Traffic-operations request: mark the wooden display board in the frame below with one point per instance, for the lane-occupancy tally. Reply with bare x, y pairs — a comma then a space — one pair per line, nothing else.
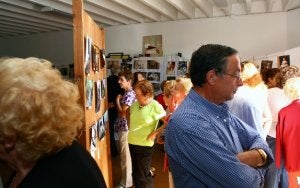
86, 29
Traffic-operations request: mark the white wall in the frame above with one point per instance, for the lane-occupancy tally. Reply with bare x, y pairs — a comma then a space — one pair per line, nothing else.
253, 35
54, 46
293, 26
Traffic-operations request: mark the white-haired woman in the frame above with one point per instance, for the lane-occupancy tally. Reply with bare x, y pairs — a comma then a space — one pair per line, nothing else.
288, 133
39, 120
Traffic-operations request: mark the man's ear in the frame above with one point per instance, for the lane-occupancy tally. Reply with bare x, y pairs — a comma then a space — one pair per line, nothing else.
211, 77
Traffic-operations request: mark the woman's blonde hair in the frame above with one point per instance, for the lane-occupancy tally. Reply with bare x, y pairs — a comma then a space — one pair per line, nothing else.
169, 86
185, 84
250, 74
38, 109
292, 88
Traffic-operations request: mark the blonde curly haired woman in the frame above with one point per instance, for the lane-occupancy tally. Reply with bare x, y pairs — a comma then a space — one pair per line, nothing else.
39, 120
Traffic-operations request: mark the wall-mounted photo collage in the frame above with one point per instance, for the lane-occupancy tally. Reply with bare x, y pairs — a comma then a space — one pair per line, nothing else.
154, 69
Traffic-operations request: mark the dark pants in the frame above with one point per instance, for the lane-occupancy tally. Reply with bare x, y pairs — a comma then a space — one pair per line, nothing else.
112, 116
141, 157
275, 177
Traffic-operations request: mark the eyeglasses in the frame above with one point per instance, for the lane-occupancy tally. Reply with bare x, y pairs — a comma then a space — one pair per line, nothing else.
238, 77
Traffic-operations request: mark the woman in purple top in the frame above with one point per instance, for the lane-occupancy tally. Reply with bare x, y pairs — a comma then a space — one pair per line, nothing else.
123, 102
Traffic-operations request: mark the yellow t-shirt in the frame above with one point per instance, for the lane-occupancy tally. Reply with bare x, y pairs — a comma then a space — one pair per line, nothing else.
143, 121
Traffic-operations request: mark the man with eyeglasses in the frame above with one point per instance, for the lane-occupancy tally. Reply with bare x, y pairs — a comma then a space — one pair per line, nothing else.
207, 145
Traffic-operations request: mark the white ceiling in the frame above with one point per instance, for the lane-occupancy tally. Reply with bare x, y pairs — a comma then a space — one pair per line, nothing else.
24, 17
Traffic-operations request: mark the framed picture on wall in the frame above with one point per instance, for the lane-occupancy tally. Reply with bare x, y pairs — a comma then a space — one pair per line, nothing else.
152, 64
283, 61
153, 76
139, 64
152, 45
265, 65
170, 68
182, 68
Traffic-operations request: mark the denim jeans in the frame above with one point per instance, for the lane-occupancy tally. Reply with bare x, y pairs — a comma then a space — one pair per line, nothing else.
275, 177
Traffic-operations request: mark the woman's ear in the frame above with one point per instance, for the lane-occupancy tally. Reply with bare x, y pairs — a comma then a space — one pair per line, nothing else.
9, 144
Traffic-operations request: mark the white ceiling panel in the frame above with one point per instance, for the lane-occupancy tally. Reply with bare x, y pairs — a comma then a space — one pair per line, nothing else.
24, 17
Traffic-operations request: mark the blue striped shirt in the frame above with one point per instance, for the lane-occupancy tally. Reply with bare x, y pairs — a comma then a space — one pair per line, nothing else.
202, 141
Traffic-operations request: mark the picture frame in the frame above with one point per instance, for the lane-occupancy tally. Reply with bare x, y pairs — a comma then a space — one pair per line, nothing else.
153, 76
265, 65
283, 61
95, 58
152, 64
152, 46
139, 64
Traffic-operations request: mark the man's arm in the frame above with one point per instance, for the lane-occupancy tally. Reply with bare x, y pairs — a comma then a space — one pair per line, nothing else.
254, 158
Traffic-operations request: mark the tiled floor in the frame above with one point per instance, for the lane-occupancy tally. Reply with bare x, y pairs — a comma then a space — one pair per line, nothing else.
160, 179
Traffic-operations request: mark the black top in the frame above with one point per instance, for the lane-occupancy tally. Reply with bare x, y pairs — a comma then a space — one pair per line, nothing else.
113, 88
72, 167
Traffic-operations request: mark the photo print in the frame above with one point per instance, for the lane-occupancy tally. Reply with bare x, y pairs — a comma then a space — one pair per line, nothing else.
89, 93
170, 69
139, 64
182, 68
95, 58
98, 95
93, 144
114, 65
88, 54
105, 118
153, 76
102, 58
126, 66
103, 88
265, 65
152, 64
100, 129
283, 61
152, 45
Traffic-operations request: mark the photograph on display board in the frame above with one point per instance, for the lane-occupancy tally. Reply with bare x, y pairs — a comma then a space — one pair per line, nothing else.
153, 76
98, 95
152, 46
95, 58
139, 64
152, 64
182, 68
114, 65
93, 136
103, 88
126, 66
144, 74
105, 119
265, 65
88, 54
283, 61
89, 93
100, 129
170, 68
102, 58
